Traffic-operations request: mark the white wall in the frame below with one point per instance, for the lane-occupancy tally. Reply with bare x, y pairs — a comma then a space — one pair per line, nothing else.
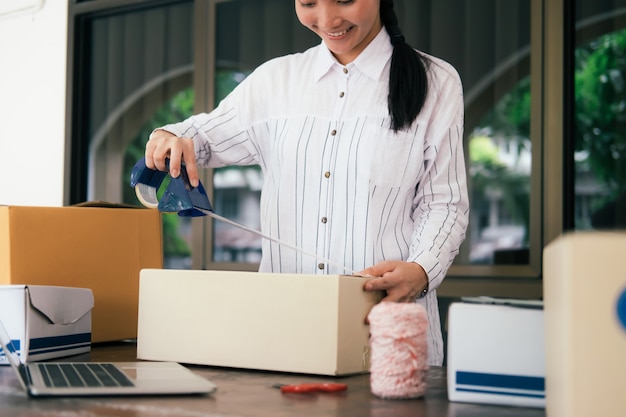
33, 57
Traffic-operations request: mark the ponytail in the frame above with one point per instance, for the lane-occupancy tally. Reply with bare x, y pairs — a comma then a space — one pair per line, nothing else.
408, 84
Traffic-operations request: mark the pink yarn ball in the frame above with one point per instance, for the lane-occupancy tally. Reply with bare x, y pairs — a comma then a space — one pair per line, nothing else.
398, 350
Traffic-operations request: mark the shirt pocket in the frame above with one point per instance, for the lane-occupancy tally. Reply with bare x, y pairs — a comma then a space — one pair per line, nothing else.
396, 159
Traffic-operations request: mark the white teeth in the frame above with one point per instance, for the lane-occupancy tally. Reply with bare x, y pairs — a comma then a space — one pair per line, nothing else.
343, 32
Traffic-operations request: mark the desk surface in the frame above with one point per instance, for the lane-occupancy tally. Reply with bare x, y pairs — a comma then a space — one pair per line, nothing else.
246, 394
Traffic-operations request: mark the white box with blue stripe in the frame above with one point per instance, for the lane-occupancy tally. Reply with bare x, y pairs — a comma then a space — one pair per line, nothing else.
46, 322
496, 352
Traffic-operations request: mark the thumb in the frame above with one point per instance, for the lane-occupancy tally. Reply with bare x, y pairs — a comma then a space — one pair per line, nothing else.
373, 271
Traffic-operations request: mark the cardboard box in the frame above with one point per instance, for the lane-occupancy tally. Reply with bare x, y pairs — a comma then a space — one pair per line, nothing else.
584, 287
46, 322
496, 352
100, 248
279, 322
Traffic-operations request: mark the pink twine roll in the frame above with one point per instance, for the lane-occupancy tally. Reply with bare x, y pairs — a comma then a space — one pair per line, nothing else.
398, 350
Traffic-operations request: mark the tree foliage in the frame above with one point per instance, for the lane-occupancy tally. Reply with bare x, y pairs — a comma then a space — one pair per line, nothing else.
600, 134
508, 120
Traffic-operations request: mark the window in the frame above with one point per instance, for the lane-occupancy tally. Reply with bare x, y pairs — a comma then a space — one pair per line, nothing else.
246, 36
133, 67
598, 144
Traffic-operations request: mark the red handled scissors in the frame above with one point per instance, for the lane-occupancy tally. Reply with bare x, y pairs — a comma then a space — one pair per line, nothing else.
312, 387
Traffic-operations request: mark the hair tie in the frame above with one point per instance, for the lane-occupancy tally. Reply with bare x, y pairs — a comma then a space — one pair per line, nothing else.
396, 36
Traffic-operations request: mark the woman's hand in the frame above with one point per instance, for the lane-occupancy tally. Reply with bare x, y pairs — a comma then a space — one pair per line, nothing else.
164, 145
402, 281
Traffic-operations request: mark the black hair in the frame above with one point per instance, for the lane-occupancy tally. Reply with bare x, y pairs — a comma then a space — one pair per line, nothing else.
408, 84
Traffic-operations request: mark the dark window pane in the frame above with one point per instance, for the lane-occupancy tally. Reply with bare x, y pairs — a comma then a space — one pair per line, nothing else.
599, 148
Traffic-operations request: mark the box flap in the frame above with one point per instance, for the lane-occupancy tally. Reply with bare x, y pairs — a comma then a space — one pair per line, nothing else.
61, 305
105, 204
511, 302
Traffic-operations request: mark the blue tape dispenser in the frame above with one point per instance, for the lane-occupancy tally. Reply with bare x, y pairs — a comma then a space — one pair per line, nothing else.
188, 201
179, 197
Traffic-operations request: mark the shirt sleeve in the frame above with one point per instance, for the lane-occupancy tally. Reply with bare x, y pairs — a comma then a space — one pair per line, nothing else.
441, 203
223, 136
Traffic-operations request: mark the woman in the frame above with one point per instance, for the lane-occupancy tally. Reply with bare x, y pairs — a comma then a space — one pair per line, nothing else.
360, 143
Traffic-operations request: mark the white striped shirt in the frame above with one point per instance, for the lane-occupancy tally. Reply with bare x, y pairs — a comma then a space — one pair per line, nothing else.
338, 182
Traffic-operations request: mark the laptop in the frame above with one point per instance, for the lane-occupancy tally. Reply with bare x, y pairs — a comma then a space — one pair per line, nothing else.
47, 379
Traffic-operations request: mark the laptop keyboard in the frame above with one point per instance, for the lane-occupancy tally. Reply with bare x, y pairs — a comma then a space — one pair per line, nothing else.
83, 375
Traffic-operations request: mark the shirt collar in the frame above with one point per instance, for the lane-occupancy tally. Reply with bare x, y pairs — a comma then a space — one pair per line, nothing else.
371, 61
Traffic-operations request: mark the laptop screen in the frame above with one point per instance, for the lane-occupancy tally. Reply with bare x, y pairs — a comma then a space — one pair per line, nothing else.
7, 346
11, 354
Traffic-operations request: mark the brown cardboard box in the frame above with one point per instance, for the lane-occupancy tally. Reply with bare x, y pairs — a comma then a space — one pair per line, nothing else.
100, 248
279, 322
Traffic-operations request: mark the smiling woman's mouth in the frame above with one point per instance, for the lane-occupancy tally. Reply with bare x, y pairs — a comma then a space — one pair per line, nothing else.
340, 33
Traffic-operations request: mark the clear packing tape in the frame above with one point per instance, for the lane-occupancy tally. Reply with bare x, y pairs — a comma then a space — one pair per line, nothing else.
188, 201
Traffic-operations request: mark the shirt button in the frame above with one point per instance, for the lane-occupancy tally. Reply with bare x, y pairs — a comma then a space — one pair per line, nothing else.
345, 70
324, 219
320, 266
342, 94
333, 132
327, 174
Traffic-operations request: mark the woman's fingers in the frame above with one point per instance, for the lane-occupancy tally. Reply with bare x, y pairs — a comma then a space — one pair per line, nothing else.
166, 151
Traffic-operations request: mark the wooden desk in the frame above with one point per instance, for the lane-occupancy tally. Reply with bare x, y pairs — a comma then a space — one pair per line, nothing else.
246, 394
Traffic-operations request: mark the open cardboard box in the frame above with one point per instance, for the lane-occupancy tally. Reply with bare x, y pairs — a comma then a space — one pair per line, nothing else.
97, 246
279, 322
46, 322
